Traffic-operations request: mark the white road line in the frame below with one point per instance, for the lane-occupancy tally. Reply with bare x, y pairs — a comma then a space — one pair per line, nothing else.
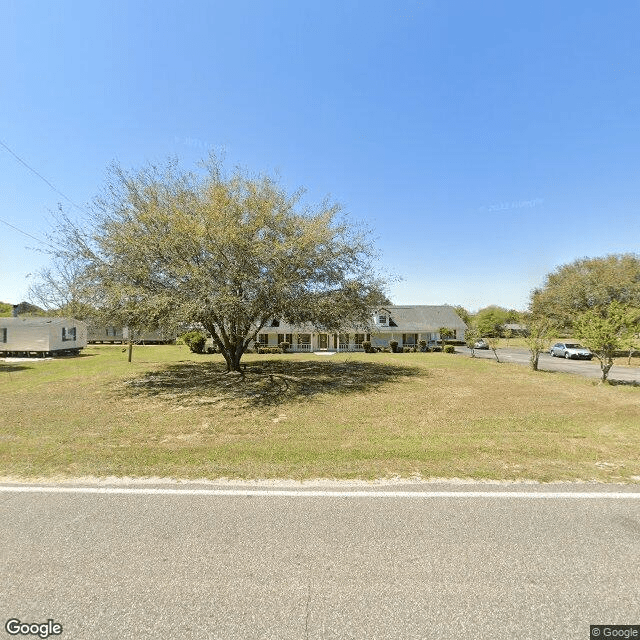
300, 493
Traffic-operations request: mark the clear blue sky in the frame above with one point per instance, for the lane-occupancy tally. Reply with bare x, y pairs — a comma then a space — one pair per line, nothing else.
485, 143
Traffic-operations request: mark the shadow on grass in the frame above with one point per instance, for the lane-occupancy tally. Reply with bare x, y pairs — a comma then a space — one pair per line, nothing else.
264, 383
11, 367
629, 383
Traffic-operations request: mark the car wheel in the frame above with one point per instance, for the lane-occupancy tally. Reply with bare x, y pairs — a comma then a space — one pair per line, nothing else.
566, 355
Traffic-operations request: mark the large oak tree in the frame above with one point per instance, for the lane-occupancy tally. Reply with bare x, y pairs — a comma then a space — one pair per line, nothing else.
588, 284
227, 251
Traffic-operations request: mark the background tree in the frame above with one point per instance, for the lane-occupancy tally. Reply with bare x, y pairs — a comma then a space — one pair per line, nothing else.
493, 342
588, 284
471, 336
490, 320
539, 330
445, 334
604, 332
463, 314
229, 252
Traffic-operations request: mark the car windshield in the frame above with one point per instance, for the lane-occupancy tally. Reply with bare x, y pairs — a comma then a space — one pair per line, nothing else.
574, 345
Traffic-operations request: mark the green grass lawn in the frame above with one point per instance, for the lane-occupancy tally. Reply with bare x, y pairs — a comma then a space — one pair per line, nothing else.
175, 414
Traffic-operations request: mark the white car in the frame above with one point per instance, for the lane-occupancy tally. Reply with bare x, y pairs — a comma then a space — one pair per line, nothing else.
570, 350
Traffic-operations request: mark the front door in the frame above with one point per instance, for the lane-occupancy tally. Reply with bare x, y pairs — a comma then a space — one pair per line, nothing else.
323, 341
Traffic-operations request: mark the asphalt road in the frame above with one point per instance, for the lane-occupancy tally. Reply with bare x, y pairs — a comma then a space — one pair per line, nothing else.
587, 368
405, 565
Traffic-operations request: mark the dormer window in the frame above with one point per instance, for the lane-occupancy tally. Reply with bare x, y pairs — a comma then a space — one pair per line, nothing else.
275, 323
382, 318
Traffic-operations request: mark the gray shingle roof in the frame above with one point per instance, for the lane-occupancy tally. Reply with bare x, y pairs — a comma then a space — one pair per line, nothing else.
408, 318
422, 318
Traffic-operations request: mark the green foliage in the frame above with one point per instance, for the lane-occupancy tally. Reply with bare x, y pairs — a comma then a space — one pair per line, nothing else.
284, 347
449, 348
539, 330
268, 349
393, 345
493, 342
195, 340
366, 345
588, 284
604, 331
227, 251
446, 333
463, 314
471, 336
490, 320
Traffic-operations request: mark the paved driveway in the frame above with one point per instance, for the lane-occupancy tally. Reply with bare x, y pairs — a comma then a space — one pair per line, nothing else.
589, 369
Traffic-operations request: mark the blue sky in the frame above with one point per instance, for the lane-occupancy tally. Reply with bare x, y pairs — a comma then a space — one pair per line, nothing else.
485, 143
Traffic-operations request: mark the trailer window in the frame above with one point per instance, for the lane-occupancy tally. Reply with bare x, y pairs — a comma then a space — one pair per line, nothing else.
68, 334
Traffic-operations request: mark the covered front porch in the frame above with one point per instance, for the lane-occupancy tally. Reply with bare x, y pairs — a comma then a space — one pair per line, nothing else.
315, 341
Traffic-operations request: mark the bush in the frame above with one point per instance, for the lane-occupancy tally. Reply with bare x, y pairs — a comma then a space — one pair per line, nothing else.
195, 341
284, 346
366, 345
406, 349
449, 348
393, 345
267, 349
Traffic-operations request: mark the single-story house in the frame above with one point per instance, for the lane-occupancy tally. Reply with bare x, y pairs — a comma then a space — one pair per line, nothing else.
406, 324
42, 336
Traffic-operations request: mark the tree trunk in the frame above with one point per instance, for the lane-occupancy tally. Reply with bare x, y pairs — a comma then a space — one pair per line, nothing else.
606, 367
534, 360
232, 357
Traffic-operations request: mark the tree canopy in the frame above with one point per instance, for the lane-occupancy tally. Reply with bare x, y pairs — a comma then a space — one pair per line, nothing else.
226, 251
490, 320
588, 284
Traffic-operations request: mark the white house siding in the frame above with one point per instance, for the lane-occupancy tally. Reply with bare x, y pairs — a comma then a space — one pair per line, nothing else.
413, 323
42, 335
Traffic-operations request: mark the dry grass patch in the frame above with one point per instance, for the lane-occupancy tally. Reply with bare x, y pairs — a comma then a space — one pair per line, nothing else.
171, 413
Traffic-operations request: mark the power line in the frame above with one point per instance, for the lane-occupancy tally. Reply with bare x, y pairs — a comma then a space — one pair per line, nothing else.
24, 233
21, 161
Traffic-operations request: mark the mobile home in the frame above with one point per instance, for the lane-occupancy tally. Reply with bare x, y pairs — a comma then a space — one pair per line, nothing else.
41, 336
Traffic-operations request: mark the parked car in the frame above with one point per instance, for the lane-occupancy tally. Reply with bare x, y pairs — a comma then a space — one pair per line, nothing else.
571, 350
481, 344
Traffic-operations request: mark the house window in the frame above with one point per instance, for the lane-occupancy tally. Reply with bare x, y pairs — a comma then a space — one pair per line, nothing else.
3, 335
360, 338
68, 334
111, 332
382, 319
344, 338
285, 337
304, 338
263, 339
275, 323
410, 339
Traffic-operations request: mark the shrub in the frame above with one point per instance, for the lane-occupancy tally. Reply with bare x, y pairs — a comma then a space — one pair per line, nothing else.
393, 345
267, 349
406, 349
284, 346
449, 348
195, 341
366, 345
